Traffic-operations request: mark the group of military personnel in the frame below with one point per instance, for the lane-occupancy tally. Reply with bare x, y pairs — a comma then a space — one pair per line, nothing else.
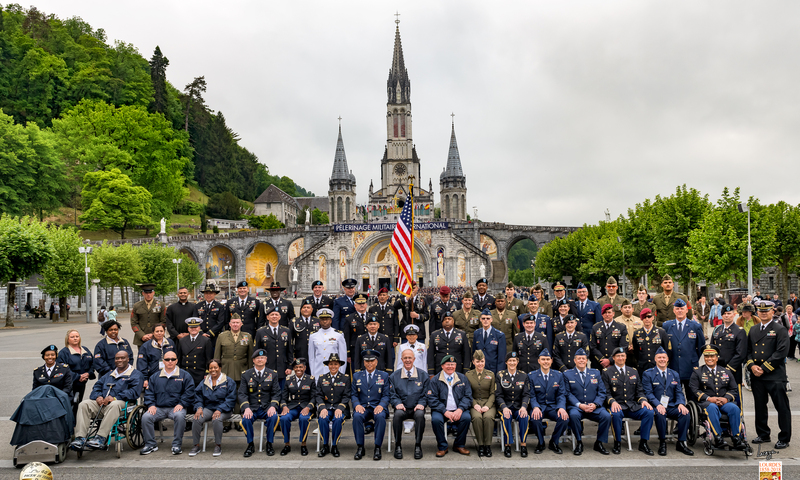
534, 356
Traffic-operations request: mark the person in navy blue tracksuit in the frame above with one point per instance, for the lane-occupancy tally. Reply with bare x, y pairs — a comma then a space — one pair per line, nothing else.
664, 384
369, 393
548, 400
586, 395
491, 341
450, 398
214, 397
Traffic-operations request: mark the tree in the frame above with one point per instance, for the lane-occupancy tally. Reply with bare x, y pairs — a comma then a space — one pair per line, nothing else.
318, 217
203, 222
224, 205
718, 247
194, 92
191, 274
64, 276
158, 76
785, 219
24, 251
637, 236
111, 201
521, 278
265, 222
157, 267
115, 266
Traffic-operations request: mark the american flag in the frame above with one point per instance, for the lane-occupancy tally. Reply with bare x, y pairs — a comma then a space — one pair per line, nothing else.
402, 246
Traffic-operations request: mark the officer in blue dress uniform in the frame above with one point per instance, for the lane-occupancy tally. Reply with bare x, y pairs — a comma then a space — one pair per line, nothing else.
491, 341
333, 404
297, 402
626, 398
259, 397
512, 397
687, 340
548, 400
662, 387
588, 310
344, 305
370, 395
53, 373
714, 387
586, 395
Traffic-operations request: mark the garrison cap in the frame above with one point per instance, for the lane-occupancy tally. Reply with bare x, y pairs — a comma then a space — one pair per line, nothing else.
581, 285
611, 281
580, 352
467, 294
679, 303
486, 311
544, 353
661, 350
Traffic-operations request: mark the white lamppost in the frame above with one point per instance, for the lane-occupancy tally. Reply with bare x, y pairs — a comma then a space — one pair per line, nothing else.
745, 208
177, 262
86, 251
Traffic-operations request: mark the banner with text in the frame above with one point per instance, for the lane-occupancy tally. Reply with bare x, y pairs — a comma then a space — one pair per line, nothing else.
386, 227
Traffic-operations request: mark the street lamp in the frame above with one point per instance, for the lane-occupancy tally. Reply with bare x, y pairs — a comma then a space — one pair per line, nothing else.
745, 208
533, 266
624, 278
177, 262
228, 273
86, 251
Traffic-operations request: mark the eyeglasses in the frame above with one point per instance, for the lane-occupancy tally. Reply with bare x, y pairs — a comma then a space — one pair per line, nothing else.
170, 359
648, 316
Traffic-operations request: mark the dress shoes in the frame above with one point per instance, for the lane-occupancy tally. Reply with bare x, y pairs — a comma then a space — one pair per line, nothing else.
441, 453
417, 452
719, 442
286, 449
488, 451
460, 450
599, 447
369, 428
761, 440
324, 450
398, 452
269, 450
539, 448
335, 451
683, 448
377, 454
359, 452
303, 450
579, 448
616, 448
507, 451
662, 448
644, 447
523, 451
480, 450
555, 448
248, 452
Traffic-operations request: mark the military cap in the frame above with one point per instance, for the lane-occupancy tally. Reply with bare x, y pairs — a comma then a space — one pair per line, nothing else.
617, 351
611, 281
271, 308
645, 313
482, 280
307, 301
447, 313
372, 318
765, 306
50, 348
445, 290
533, 298
606, 308
360, 298
625, 301
349, 283
148, 287
478, 355
242, 284
413, 283
467, 294
447, 358
666, 278
501, 298
529, 318
544, 353
510, 285
235, 316
193, 321
511, 355
537, 287
259, 353
486, 311
333, 358
710, 350
276, 286
411, 330
110, 323
383, 290
559, 286
298, 361
317, 282
581, 285
367, 355
210, 288
679, 303
661, 350
580, 352
748, 307
727, 308
570, 318
642, 288
324, 313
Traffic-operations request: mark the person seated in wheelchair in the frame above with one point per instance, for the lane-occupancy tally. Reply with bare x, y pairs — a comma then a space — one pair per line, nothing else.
714, 389
108, 397
626, 399
333, 404
662, 387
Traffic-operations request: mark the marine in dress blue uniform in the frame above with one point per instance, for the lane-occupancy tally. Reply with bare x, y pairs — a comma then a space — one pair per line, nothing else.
370, 396
586, 394
259, 398
662, 387
297, 403
713, 388
687, 341
626, 399
548, 400
333, 405
512, 398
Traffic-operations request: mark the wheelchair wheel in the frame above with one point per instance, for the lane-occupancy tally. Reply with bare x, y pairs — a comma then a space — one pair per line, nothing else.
119, 449
707, 449
748, 451
694, 424
61, 455
133, 429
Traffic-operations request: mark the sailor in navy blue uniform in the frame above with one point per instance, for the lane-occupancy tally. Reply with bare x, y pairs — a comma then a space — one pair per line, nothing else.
662, 387
548, 399
586, 395
370, 396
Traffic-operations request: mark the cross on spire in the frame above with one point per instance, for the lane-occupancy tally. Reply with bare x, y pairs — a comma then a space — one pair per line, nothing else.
397, 19
340, 120
453, 118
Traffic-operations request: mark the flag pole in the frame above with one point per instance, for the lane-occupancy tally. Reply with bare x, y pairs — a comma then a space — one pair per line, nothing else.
411, 196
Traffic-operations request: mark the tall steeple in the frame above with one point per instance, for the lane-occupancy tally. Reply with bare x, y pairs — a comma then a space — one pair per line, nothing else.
341, 186
398, 87
453, 159
453, 182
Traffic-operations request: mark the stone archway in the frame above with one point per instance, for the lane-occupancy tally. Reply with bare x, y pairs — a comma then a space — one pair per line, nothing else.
217, 258
261, 266
374, 253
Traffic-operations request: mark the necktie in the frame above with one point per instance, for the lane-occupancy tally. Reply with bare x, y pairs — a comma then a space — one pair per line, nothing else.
369, 379
409, 374
50, 371
372, 338
569, 337
763, 327
275, 331
529, 337
664, 378
680, 327
241, 303
447, 335
582, 305
583, 377
546, 377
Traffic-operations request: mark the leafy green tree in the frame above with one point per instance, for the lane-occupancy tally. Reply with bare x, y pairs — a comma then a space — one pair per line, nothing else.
64, 276
224, 205
111, 201
265, 222
521, 254
521, 278
559, 258
190, 271
718, 247
130, 83
318, 217
786, 220
636, 231
157, 267
203, 223
158, 76
24, 251
193, 94
115, 266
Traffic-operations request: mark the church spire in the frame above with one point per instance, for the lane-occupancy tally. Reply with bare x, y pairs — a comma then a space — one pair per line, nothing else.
340, 170
398, 86
453, 158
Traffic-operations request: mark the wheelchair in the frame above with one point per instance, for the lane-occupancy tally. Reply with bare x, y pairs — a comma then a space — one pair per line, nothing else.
698, 418
128, 427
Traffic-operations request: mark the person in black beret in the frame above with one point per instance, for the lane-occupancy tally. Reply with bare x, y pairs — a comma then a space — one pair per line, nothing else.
318, 299
52, 373
248, 308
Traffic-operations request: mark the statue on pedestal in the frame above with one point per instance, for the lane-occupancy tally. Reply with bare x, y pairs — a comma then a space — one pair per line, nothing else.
163, 225
483, 270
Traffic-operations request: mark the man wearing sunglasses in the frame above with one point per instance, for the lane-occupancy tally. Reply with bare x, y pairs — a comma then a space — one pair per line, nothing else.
169, 392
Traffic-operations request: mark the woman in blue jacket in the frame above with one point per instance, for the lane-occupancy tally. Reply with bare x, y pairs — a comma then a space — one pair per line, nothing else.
79, 359
107, 348
151, 353
214, 400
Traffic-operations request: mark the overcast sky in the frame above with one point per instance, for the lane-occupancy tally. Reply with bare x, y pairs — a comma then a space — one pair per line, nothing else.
563, 109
